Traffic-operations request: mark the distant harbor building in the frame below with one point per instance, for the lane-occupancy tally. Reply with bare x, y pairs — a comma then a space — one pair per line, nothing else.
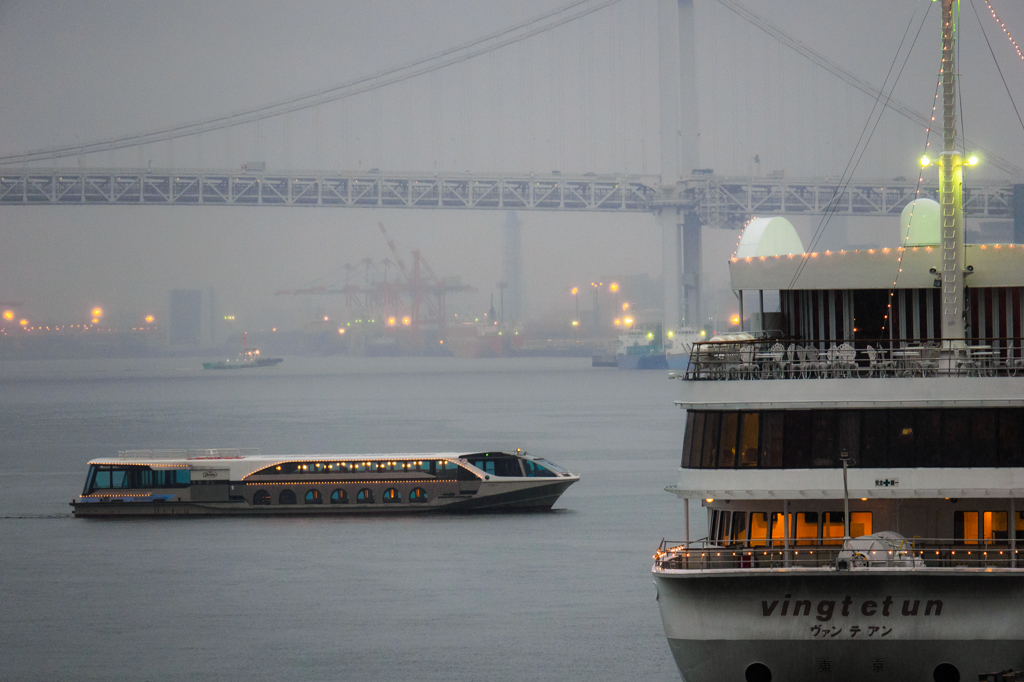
185, 327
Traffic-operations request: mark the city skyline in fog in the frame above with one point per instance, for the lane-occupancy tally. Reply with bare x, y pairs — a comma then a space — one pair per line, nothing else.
579, 98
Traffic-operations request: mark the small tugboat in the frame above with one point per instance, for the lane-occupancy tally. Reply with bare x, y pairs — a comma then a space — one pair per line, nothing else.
247, 359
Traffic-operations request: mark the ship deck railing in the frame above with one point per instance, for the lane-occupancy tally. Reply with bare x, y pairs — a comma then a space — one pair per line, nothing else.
208, 453
934, 553
768, 359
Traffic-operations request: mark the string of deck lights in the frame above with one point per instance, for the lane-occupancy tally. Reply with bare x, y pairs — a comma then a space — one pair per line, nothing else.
925, 161
999, 21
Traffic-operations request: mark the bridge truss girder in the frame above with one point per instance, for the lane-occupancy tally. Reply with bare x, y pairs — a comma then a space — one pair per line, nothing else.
718, 201
728, 202
380, 190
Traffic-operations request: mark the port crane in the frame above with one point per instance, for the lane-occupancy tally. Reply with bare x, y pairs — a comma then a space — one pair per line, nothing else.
417, 300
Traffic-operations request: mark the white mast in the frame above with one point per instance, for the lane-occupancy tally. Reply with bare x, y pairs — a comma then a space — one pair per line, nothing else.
951, 181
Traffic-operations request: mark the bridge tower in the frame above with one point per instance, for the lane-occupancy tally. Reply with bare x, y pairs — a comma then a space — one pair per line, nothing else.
680, 154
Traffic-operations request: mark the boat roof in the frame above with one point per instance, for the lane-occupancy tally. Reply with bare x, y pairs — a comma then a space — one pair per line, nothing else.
994, 265
164, 457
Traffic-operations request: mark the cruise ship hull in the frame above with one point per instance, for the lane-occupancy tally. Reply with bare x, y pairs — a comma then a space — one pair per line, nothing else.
879, 624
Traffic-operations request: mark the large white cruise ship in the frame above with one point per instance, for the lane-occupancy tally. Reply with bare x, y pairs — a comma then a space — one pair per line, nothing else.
863, 472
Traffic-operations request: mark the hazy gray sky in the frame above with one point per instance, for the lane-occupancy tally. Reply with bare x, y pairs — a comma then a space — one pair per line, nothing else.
580, 98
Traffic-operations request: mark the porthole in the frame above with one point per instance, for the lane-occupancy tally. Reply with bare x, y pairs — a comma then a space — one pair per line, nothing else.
339, 496
758, 672
365, 496
261, 497
946, 672
313, 496
391, 495
286, 497
418, 495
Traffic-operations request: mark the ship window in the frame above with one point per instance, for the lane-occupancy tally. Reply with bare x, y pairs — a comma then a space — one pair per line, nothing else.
771, 440
727, 445
957, 437
758, 529
798, 439
286, 497
101, 479
365, 496
965, 527
849, 433
860, 524
313, 497
873, 450
417, 495
833, 528
993, 526
748, 440
901, 438
806, 528
928, 440
391, 495
447, 471
261, 497
698, 439
1019, 525
722, 531
823, 438
1010, 454
339, 496
778, 530
711, 422
687, 439
984, 438
535, 470
739, 526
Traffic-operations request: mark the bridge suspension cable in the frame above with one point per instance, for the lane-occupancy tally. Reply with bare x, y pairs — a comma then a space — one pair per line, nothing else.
851, 79
527, 29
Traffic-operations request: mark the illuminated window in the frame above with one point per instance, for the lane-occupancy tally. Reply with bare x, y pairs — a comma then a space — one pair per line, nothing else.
722, 531
365, 496
418, 495
993, 526
778, 530
758, 529
739, 526
833, 528
339, 496
748, 440
965, 527
860, 524
807, 528
286, 497
313, 497
261, 497
1019, 525
392, 495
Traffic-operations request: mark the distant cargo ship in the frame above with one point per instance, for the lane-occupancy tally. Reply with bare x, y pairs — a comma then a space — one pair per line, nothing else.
640, 349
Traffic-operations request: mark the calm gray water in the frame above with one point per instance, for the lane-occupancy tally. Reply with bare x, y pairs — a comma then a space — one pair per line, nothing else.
559, 596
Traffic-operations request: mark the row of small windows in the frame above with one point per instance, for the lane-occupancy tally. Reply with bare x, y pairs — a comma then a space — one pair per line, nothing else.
803, 439
111, 476
340, 496
439, 468
759, 529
